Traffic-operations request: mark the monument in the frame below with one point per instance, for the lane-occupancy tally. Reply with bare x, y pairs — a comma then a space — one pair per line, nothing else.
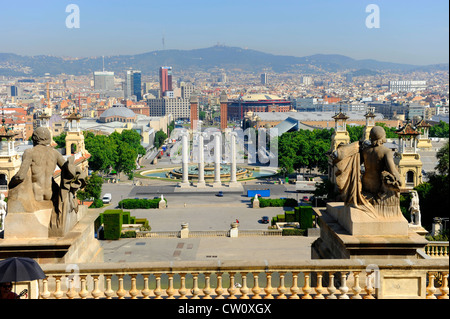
43, 216
368, 220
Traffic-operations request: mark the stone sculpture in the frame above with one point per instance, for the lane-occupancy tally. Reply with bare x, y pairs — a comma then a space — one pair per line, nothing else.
377, 190
3, 208
33, 188
414, 209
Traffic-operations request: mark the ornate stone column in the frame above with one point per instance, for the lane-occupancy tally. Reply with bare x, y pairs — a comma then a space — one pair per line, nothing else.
201, 162
185, 161
233, 179
217, 159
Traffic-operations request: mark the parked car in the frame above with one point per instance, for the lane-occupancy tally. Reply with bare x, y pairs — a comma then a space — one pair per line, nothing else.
107, 198
265, 219
305, 198
220, 194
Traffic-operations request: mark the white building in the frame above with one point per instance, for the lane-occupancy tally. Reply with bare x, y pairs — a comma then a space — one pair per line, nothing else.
407, 86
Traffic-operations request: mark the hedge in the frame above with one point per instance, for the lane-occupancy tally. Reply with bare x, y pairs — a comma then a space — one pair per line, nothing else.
292, 232
306, 217
276, 202
131, 203
112, 224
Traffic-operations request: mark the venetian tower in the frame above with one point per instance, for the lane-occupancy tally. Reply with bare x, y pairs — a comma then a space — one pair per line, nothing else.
407, 158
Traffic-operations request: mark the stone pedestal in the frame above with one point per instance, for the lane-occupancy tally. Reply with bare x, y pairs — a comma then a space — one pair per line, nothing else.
234, 232
79, 245
256, 202
28, 225
356, 222
343, 237
184, 233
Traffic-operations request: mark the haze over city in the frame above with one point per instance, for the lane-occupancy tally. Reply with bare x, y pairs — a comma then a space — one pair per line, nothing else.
412, 32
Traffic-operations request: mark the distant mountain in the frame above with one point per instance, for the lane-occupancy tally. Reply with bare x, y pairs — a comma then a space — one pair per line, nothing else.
198, 59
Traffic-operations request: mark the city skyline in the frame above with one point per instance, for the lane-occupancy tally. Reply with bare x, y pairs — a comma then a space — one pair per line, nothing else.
413, 32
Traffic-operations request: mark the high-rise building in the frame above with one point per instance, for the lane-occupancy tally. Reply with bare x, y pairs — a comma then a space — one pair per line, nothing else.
165, 79
133, 85
264, 79
103, 81
223, 110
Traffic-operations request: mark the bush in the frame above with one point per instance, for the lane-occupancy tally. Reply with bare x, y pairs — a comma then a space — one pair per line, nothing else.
112, 224
293, 232
281, 218
306, 217
276, 202
128, 234
130, 203
97, 203
289, 217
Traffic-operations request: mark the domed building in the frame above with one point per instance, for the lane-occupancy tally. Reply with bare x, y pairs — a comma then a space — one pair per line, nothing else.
117, 113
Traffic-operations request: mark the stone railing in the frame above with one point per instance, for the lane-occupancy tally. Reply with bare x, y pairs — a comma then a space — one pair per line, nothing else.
313, 279
437, 249
209, 233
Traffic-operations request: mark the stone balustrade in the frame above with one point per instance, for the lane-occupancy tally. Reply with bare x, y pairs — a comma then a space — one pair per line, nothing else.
313, 279
437, 249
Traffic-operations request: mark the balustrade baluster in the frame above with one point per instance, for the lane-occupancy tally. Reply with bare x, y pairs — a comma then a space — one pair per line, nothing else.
430, 288
83, 291
294, 289
219, 290
158, 290
121, 292
109, 292
331, 288
58, 292
146, 291
71, 293
356, 288
444, 286
96, 293
207, 290
134, 292
195, 290
268, 289
244, 289
319, 288
170, 291
256, 290
306, 287
232, 289
281, 288
369, 287
343, 288
183, 291
45, 292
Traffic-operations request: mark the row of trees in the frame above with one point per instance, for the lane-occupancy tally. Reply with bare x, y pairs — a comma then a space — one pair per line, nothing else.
117, 151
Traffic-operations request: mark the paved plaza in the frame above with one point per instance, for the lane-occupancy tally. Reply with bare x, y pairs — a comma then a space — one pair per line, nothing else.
203, 211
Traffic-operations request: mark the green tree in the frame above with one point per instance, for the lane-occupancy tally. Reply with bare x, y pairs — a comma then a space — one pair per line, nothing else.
439, 130
160, 137
93, 188
60, 140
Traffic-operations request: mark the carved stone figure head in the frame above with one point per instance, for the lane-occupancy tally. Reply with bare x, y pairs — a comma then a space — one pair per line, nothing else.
377, 136
41, 136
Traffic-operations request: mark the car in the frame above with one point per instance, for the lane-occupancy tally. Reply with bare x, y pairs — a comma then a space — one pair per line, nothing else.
107, 198
305, 198
265, 219
219, 194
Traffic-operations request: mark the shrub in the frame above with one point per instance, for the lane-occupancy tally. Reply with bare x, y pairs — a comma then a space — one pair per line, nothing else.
97, 203
280, 218
306, 217
130, 203
292, 232
128, 234
289, 217
112, 224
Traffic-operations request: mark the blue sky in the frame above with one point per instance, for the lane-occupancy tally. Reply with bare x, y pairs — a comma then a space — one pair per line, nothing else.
415, 32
